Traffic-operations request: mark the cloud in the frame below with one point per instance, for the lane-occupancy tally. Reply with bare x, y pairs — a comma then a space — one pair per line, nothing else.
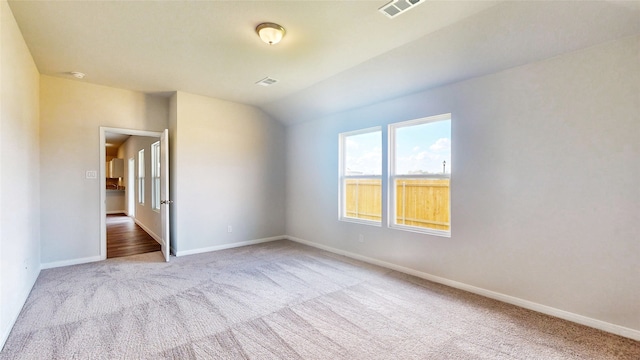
441, 145
367, 163
421, 155
424, 161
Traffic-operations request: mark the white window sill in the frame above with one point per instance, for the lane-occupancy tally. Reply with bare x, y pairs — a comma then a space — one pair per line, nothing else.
415, 229
361, 221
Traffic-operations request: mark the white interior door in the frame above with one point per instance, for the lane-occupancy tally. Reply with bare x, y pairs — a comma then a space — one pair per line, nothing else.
165, 202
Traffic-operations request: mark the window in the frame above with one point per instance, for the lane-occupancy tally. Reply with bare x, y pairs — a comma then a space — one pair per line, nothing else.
419, 175
361, 176
155, 175
141, 177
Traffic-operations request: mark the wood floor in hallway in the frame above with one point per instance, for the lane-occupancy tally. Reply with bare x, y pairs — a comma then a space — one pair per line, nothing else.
125, 237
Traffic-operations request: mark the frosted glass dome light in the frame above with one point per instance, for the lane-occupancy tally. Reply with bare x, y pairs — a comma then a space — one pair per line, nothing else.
270, 33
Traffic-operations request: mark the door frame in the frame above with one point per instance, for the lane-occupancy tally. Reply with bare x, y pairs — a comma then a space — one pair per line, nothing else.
103, 179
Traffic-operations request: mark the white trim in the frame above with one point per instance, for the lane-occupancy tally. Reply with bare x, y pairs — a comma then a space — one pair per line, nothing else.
422, 120
111, 212
361, 221
155, 236
62, 263
361, 131
155, 174
421, 230
392, 177
342, 176
544, 309
229, 246
23, 297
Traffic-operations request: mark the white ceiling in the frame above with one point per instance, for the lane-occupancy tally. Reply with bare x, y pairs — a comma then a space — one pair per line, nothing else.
336, 55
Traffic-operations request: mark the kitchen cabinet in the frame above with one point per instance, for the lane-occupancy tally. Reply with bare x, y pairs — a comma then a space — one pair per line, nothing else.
115, 168
114, 201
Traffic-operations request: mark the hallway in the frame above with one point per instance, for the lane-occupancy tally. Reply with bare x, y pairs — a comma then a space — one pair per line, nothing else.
125, 237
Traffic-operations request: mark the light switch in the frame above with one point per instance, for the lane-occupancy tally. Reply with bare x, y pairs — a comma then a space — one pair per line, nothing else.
92, 174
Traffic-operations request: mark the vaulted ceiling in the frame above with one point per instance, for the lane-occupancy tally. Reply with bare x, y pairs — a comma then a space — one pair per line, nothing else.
336, 55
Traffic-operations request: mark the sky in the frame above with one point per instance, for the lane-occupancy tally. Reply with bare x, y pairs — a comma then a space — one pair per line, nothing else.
419, 149
423, 148
364, 154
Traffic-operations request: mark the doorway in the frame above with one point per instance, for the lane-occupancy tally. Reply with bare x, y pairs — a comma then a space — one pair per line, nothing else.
142, 220
125, 237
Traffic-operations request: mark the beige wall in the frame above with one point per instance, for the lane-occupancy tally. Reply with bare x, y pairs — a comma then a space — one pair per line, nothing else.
227, 165
19, 172
71, 114
545, 196
228, 168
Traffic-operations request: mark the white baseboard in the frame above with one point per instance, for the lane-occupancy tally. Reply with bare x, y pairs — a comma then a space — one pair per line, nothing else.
56, 264
22, 299
548, 310
229, 246
155, 236
116, 212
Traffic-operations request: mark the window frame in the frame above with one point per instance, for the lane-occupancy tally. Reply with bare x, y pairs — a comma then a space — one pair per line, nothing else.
141, 177
392, 177
155, 176
343, 177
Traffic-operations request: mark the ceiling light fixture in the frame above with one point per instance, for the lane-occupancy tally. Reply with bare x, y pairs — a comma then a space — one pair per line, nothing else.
270, 33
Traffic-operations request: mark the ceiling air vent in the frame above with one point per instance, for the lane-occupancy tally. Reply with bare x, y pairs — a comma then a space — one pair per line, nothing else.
397, 7
267, 81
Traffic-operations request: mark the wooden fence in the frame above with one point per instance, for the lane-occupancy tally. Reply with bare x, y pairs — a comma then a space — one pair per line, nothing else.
419, 202
364, 199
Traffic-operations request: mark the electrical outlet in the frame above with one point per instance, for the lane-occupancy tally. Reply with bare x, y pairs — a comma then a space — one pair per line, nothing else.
361, 238
229, 228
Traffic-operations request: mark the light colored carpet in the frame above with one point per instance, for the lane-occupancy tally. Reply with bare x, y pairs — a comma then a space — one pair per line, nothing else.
280, 300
